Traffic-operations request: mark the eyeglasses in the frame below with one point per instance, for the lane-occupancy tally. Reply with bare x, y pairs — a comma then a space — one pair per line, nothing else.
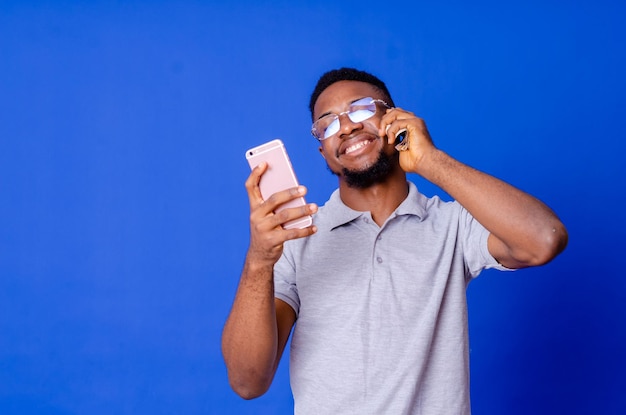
358, 111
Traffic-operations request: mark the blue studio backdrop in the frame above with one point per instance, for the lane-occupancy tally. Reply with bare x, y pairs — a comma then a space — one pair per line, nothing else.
124, 218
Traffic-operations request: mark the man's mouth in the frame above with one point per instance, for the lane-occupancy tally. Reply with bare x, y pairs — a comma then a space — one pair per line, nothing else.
356, 146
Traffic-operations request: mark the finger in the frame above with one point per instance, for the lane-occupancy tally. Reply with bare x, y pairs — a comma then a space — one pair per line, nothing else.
396, 132
386, 121
390, 126
269, 215
296, 233
268, 231
252, 184
284, 196
295, 214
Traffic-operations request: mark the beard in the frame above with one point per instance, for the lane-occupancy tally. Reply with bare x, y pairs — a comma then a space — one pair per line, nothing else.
374, 174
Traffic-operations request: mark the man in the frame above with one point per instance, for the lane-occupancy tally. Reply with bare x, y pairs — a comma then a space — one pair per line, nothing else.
376, 288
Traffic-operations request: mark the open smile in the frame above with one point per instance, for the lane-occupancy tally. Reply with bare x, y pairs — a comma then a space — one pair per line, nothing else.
355, 145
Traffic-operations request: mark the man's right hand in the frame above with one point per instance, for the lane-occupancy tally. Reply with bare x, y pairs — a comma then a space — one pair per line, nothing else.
266, 232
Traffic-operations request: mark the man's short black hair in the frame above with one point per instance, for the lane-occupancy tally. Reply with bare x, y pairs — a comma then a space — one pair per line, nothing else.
347, 74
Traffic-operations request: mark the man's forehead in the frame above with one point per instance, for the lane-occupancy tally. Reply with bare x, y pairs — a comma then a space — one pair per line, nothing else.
342, 93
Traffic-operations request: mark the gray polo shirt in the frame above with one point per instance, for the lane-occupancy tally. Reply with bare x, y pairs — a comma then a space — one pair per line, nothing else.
381, 311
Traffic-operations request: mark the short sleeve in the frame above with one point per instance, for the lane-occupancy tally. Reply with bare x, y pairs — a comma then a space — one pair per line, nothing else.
474, 237
285, 281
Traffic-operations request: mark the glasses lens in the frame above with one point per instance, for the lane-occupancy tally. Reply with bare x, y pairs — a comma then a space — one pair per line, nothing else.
332, 128
358, 111
321, 126
362, 114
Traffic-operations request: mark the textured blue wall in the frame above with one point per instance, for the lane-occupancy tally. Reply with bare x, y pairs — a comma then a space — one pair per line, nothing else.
124, 220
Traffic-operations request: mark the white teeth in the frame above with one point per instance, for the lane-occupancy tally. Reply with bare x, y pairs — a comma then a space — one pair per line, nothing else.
356, 147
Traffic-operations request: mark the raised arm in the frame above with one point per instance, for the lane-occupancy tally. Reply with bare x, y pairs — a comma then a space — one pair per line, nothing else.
523, 231
258, 325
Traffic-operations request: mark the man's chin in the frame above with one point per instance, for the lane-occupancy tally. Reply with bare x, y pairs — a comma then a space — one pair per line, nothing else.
373, 174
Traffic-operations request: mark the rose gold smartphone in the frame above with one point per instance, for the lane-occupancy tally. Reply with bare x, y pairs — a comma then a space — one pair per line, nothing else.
278, 176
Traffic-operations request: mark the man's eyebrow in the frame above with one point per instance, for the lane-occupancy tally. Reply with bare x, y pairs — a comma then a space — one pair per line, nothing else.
323, 115
329, 112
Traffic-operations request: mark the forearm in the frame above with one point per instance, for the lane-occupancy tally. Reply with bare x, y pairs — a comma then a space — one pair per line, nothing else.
250, 336
527, 231
258, 325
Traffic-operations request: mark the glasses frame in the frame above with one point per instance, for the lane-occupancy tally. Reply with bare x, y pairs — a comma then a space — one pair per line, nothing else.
348, 112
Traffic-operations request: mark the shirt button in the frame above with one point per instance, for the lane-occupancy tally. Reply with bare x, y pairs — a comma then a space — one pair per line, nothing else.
379, 260
379, 238
366, 220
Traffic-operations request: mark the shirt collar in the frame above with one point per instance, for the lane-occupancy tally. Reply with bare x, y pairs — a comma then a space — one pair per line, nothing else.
414, 204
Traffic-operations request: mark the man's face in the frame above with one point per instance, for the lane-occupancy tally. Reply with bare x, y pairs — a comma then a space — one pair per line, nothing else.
356, 153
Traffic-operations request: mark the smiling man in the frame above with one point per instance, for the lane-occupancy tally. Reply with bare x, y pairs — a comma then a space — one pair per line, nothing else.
375, 289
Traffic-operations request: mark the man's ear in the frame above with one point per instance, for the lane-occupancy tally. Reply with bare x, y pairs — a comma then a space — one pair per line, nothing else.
321, 152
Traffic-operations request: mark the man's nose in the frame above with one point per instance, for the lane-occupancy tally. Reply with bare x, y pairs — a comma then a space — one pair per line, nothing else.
346, 125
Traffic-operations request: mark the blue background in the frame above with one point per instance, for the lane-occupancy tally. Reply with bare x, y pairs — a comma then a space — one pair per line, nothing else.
124, 219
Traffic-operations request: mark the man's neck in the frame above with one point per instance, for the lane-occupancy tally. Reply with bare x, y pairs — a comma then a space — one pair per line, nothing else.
380, 199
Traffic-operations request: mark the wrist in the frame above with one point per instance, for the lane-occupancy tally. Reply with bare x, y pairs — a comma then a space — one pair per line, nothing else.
256, 264
431, 161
